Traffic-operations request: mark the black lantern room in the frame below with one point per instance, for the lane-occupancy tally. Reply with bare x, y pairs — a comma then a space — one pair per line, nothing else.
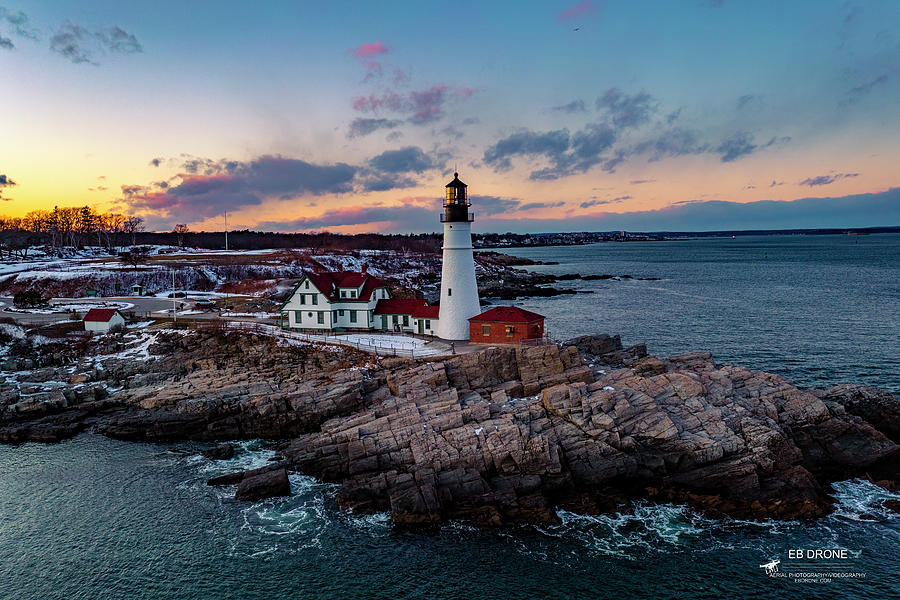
456, 204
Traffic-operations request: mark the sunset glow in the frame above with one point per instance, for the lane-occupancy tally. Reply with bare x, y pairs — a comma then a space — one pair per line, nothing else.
560, 116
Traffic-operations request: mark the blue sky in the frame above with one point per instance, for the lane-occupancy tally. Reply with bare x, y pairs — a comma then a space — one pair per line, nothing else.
550, 110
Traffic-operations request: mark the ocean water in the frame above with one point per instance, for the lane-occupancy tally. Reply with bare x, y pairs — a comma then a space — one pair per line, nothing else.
97, 518
819, 310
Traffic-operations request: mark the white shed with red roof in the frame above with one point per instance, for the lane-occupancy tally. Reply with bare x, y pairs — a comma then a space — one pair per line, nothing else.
103, 319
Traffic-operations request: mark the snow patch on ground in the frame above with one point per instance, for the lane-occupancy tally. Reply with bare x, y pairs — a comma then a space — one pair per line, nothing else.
64, 307
14, 331
382, 341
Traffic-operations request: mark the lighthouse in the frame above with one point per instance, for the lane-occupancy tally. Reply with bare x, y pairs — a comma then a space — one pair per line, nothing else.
459, 290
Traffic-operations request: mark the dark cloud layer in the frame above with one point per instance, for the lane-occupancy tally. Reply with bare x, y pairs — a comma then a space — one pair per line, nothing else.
626, 111
599, 202
410, 159
361, 126
534, 205
628, 125
550, 144
825, 179
862, 210
406, 217
207, 188
575, 106
859, 210
5, 182
419, 106
16, 22
78, 45
72, 41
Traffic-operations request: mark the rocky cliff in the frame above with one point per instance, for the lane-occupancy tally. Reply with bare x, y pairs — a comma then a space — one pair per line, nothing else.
501, 435
510, 434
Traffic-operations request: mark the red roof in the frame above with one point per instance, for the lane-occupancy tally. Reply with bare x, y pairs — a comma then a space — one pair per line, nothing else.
100, 314
428, 312
508, 314
400, 306
329, 282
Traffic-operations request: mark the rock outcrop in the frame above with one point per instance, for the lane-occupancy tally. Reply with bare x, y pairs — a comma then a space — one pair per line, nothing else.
269, 484
871, 404
505, 434
508, 435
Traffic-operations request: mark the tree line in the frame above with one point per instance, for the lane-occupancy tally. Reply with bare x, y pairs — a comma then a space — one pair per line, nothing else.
70, 226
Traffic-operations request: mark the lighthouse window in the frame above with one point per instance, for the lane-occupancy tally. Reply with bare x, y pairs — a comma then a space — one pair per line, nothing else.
449, 291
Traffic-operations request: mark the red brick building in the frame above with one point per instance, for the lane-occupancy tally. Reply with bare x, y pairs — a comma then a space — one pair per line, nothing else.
505, 325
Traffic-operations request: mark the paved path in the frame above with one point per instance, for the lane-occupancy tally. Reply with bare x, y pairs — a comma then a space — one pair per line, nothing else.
378, 343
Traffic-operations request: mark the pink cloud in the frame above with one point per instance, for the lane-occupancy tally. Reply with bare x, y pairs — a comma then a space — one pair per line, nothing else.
428, 104
423, 106
371, 103
579, 10
369, 50
400, 77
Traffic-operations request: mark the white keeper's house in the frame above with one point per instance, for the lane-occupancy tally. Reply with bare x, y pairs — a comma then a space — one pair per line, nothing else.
351, 300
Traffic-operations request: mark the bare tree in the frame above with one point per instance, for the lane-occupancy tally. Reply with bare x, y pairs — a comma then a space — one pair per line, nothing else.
181, 229
112, 227
132, 225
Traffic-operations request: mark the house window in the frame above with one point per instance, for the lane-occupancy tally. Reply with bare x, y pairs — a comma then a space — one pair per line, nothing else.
302, 298
449, 291
353, 316
509, 330
334, 316
485, 330
306, 285
309, 315
353, 293
343, 293
314, 298
298, 316
427, 323
405, 320
321, 318
394, 319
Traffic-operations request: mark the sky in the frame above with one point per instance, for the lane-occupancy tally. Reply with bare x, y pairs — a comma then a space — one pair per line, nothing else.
352, 116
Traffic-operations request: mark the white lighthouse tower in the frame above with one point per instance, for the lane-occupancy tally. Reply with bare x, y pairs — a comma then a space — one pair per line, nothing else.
459, 291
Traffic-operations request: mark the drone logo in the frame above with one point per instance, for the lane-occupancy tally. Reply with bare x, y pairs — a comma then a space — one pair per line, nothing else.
770, 567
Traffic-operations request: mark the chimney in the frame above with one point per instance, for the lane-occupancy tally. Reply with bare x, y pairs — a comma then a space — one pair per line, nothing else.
316, 268
365, 268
